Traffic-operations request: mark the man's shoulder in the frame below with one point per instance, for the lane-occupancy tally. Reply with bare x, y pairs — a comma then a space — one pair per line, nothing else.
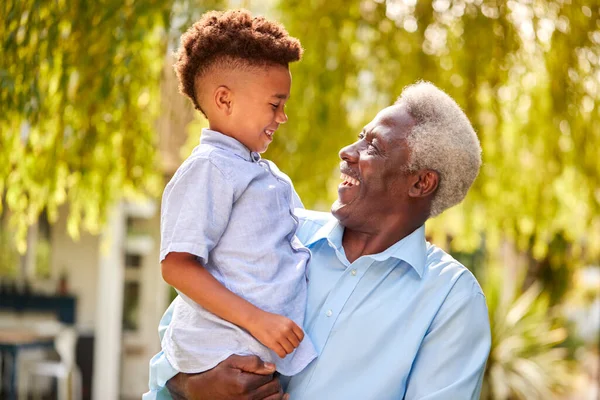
317, 219
309, 222
443, 269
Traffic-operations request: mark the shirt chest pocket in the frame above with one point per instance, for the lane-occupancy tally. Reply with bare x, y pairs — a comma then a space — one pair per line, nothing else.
270, 195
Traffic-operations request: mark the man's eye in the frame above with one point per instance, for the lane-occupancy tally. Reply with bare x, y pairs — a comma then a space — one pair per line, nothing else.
372, 149
274, 106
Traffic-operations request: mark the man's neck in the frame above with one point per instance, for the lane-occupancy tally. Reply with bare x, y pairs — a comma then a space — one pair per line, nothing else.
357, 242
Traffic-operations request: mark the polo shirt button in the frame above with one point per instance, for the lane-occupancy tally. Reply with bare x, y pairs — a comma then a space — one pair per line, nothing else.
329, 313
353, 272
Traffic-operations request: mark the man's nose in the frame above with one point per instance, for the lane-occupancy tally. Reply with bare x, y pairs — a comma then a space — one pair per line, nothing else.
349, 153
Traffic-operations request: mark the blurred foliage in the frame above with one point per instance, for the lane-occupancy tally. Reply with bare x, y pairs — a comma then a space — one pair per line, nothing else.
79, 93
528, 359
79, 89
9, 257
43, 251
527, 73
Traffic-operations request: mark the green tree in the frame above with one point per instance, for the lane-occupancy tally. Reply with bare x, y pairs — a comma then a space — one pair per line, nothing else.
324, 86
526, 73
79, 96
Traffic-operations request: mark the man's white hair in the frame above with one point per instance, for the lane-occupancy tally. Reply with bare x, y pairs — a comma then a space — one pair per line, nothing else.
442, 140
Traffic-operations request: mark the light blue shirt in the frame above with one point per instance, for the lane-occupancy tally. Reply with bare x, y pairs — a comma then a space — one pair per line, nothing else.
408, 323
235, 212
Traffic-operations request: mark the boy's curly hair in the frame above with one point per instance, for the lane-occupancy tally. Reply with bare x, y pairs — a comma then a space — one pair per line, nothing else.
234, 37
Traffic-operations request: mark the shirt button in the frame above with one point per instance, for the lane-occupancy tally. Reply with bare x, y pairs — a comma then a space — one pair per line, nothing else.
353, 272
329, 313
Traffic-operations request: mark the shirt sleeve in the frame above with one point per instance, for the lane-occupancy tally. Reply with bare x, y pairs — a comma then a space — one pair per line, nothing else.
195, 210
451, 360
296, 201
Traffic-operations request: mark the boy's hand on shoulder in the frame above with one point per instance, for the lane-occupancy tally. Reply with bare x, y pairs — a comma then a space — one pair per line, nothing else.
277, 332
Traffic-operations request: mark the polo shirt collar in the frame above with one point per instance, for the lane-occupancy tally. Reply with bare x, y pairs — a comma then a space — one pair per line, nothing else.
224, 142
411, 249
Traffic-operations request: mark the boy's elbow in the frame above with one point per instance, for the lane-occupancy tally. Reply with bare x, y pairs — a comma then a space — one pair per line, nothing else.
166, 270
173, 265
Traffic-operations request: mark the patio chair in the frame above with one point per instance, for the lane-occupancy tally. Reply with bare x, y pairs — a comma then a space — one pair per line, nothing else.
65, 370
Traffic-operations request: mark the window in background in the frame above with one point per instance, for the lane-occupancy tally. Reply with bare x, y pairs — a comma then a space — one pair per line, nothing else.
131, 298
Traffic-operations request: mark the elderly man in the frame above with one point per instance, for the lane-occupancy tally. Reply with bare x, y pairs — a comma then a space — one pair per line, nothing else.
391, 316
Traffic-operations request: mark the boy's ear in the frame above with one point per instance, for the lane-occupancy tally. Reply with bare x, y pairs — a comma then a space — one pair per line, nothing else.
223, 99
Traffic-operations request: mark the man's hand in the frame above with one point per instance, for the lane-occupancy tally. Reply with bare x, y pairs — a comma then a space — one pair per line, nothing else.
277, 332
236, 378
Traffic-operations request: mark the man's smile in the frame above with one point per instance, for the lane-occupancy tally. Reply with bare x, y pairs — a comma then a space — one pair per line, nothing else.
348, 189
348, 180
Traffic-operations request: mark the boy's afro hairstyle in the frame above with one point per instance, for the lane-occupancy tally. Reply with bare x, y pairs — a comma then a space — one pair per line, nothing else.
235, 37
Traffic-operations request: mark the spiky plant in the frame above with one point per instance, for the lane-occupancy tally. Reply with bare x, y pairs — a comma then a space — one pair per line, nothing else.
526, 359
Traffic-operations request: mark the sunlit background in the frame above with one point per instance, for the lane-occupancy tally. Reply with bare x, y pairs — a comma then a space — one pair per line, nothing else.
92, 127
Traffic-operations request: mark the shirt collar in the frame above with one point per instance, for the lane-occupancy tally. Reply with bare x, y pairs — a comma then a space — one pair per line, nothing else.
222, 141
411, 249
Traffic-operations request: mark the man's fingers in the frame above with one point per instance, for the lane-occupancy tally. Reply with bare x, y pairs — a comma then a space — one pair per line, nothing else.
175, 386
286, 396
275, 397
252, 364
271, 391
251, 382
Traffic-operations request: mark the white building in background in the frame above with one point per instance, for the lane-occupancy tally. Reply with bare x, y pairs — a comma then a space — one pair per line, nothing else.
120, 294
116, 276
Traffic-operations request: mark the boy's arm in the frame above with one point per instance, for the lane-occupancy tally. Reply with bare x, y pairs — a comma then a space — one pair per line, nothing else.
184, 272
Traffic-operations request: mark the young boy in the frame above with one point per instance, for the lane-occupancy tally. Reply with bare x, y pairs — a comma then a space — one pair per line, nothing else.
227, 223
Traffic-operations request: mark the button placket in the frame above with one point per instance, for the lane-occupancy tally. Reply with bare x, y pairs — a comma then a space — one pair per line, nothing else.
335, 302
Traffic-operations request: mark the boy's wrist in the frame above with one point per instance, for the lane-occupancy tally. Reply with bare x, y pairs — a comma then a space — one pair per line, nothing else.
250, 318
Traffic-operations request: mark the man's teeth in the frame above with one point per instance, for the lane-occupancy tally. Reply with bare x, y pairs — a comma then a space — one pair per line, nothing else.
348, 179
269, 132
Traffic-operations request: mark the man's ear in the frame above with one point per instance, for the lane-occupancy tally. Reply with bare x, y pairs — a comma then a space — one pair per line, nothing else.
223, 99
426, 183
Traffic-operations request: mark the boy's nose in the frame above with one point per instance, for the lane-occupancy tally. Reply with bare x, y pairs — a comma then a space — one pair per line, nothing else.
281, 117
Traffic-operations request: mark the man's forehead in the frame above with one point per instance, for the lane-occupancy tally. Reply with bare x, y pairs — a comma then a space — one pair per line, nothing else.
395, 117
